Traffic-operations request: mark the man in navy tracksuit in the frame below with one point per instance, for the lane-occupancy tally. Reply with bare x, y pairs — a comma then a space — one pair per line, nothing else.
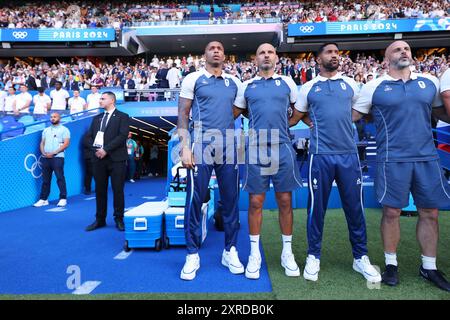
327, 99
210, 94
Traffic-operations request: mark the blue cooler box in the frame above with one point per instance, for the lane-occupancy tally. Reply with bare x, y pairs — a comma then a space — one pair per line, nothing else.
177, 198
174, 234
144, 225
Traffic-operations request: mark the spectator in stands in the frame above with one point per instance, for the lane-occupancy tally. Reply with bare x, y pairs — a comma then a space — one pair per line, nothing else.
55, 139
76, 103
49, 81
3, 95
161, 75
128, 83
10, 101
93, 99
173, 76
312, 71
23, 101
59, 97
42, 102
71, 84
31, 81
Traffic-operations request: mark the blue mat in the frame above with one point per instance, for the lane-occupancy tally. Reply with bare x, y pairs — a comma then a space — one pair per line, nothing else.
41, 248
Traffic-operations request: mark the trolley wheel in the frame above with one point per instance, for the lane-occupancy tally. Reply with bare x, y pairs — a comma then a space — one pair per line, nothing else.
158, 245
126, 248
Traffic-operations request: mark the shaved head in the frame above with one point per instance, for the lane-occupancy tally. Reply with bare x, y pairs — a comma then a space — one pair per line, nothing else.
398, 55
394, 45
266, 57
266, 46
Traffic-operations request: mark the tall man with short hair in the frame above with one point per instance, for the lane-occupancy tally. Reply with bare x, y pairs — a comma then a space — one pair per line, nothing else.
402, 103
327, 99
108, 135
270, 155
55, 139
210, 94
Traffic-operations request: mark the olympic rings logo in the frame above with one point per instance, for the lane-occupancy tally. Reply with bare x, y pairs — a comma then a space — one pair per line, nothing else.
36, 164
20, 34
307, 29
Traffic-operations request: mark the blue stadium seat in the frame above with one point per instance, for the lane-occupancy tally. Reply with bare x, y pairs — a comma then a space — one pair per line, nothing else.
26, 120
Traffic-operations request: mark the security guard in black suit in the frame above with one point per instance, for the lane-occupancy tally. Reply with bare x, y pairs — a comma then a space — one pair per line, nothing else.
107, 135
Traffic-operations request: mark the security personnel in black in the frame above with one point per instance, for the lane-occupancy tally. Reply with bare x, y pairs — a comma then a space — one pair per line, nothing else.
88, 156
108, 134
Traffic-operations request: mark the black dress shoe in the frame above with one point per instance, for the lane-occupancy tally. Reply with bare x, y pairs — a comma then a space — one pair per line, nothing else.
96, 225
436, 277
120, 225
390, 275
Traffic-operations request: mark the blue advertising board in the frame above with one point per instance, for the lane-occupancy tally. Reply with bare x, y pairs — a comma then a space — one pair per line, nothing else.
368, 27
57, 35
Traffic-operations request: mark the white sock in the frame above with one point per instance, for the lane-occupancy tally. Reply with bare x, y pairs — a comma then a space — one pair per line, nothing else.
287, 243
390, 258
254, 246
429, 263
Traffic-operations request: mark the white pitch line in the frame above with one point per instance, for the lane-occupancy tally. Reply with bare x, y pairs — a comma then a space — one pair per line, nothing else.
90, 198
57, 209
123, 255
87, 287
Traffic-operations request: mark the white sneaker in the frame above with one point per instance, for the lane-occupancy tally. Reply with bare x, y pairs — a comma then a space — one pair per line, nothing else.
62, 203
41, 203
132, 181
290, 266
312, 268
156, 174
364, 267
253, 267
230, 259
190, 267
150, 174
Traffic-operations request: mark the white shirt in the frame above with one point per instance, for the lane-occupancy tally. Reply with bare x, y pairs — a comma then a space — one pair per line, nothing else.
174, 77
93, 100
21, 100
41, 103
59, 99
76, 104
109, 118
445, 81
3, 95
9, 101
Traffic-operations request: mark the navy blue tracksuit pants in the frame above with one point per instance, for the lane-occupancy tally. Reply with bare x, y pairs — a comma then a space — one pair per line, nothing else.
345, 170
227, 174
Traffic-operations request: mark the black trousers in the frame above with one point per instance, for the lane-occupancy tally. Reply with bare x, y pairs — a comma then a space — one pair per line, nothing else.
103, 169
50, 165
88, 174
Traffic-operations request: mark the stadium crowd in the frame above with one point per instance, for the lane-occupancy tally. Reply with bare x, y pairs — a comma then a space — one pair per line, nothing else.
78, 74
116, 14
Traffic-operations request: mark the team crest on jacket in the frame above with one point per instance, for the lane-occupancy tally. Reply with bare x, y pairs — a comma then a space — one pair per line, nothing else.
278, 83
422, 84
227, 82
343, 86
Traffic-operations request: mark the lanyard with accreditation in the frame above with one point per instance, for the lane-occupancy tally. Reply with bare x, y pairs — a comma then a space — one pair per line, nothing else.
98, 141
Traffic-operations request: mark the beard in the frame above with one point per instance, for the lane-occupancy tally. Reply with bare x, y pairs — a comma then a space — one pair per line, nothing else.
330, 66
402, 64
